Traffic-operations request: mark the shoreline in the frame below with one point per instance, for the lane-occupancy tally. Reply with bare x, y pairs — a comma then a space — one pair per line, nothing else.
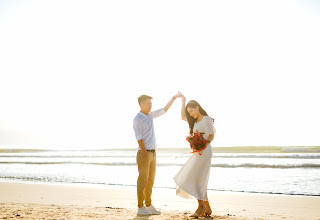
225, 205
132, 186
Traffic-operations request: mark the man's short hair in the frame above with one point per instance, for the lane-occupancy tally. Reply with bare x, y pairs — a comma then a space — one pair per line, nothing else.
143, 98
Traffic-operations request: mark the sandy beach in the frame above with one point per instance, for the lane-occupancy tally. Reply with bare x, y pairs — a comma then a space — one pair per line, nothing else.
70, 201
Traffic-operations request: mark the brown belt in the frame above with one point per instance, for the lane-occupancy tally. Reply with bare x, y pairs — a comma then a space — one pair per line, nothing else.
151, 151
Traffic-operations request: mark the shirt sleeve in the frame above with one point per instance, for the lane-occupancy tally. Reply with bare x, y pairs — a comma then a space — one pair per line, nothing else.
157, 113
209, 128
137, 128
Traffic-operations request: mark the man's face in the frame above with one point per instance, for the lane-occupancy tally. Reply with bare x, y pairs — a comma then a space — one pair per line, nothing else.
146, 105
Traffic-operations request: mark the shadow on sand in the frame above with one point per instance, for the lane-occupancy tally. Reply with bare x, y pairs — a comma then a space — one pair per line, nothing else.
142, 217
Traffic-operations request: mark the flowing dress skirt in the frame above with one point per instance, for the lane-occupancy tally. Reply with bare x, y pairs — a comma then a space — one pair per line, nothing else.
192, 179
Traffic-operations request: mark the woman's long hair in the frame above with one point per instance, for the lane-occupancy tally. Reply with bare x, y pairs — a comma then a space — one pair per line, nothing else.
191, 120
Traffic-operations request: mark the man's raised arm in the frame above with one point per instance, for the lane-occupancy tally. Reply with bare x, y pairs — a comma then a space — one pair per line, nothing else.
166, 108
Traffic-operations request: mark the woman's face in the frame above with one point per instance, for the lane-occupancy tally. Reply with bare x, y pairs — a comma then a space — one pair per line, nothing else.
194, 112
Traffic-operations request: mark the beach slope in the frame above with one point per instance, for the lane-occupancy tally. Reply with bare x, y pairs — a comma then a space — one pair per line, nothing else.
70, 201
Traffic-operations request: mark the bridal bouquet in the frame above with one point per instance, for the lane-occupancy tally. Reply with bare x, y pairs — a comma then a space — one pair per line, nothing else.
197, 142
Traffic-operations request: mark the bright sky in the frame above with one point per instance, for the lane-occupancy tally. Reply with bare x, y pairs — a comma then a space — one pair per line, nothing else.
71, 71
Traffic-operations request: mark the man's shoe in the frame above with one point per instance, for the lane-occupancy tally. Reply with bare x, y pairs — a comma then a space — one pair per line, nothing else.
153, 210
143, 211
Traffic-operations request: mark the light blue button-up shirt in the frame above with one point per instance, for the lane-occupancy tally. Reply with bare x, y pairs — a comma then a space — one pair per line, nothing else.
144, 129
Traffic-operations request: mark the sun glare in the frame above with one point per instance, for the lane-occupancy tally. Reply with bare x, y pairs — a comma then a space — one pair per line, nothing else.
72, 70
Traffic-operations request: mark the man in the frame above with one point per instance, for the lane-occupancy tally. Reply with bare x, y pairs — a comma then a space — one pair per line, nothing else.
146, 155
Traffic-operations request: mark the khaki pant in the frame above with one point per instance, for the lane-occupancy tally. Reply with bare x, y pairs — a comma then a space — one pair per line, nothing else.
147, 171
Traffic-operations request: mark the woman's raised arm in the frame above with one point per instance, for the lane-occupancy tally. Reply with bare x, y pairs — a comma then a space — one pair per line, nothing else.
183, 109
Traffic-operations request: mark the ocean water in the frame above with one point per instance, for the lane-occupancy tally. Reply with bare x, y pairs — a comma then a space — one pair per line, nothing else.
272, 170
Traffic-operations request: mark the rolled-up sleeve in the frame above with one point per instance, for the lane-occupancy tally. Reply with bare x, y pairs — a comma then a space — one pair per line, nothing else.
157, 113
137, 128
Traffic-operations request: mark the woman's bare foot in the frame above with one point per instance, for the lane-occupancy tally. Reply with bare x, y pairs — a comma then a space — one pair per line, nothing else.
199, 212
208, 211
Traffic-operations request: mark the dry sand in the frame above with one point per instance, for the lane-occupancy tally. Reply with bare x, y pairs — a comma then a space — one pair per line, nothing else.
62, 201
42, 211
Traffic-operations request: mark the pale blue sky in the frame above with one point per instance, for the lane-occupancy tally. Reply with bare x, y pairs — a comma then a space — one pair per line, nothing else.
71, 71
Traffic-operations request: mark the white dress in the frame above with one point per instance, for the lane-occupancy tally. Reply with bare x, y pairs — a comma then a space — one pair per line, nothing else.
192, 179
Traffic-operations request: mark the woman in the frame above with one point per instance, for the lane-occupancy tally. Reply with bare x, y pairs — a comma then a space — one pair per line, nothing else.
193, 177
